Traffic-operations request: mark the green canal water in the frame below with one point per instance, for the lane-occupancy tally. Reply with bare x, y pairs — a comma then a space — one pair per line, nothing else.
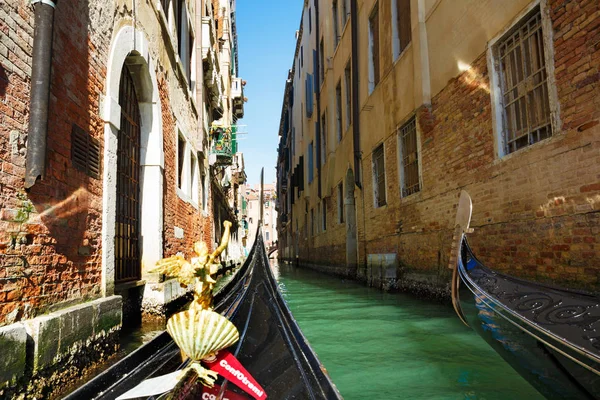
392, 346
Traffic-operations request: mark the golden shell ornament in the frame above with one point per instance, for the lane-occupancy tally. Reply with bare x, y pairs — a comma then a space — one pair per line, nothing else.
199, 331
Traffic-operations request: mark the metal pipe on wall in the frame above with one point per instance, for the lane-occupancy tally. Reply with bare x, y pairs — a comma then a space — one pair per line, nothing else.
355, 104
40, 90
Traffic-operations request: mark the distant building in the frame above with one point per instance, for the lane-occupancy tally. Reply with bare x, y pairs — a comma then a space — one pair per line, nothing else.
391, 108
251, 214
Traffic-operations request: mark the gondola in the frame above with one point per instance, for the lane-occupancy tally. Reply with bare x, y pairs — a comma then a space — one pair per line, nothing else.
271, 346
549, 335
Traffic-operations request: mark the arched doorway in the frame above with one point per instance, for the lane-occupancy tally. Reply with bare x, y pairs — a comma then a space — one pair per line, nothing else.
127, 223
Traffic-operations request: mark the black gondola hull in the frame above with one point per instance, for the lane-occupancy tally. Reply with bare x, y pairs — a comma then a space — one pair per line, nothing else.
549, 336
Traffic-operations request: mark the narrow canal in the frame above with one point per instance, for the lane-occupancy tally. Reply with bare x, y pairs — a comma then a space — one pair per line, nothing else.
392, 346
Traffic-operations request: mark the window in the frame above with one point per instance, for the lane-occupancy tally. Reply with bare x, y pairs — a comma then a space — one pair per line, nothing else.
180, 162
309, 95
338, 110
324, 137
267, 236
379, 176
194, 177
321, 62
401, 28
409, 161
340, 202
324, 215
310, 162
348, 84
165, 7
374, 48
312, 222
345, 11
309, 20
334, 17
301, 58
204, 189
523, 77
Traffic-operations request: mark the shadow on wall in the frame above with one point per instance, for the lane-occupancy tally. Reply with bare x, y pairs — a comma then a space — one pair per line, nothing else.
68, 199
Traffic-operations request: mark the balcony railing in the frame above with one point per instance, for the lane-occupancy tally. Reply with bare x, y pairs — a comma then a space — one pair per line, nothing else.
223, 147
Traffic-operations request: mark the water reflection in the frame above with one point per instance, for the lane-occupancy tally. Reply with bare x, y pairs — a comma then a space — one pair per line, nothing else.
390, 346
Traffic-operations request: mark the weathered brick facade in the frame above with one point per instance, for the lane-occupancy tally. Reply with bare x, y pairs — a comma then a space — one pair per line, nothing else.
57, 239
536, 211
50, 235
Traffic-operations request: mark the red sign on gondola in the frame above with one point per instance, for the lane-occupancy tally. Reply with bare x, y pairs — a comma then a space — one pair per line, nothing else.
226, 365
213, 393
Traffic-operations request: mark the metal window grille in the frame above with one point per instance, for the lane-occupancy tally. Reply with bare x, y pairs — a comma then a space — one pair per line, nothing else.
85, 152
524, 83
410, 158
127, 235
379, 176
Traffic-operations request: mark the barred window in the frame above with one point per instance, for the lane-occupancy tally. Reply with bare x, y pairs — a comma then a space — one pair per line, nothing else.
524, 84
340, 202
374, 48
409, 171
379, 176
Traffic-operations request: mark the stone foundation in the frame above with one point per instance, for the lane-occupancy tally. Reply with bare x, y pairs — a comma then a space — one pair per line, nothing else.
39, 356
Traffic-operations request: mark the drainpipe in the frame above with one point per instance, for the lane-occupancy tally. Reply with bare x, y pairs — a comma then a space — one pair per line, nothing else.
318, 80
40, 91
355, 111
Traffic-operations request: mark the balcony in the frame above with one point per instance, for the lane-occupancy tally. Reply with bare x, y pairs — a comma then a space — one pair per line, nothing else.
237, 97
223, 145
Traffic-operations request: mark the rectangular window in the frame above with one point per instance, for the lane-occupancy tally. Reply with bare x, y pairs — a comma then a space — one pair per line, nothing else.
379, 176
338, 110
345, 11
334, 17
309, 20
180, 162
374, 48
409, 172
401, 28
324, 137
165, 7
312, 222
310, 162
194, 177
340, 202
324, 216
524, 84
348, 84
309, 95
321, 62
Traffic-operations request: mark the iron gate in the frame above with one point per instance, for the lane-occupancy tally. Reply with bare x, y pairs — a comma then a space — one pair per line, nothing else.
127, 235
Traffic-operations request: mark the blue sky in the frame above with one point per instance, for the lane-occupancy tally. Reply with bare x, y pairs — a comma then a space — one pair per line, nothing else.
266, 39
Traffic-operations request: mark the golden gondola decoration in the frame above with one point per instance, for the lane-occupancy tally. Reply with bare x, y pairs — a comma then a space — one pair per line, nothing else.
199, 331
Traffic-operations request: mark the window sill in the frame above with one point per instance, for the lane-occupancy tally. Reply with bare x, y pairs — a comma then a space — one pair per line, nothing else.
185, 197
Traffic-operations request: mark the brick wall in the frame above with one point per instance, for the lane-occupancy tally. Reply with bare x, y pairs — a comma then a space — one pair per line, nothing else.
536, 211
177, 212
50, 236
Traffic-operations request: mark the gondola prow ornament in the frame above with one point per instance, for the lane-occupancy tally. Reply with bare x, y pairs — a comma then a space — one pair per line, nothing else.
199, 331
